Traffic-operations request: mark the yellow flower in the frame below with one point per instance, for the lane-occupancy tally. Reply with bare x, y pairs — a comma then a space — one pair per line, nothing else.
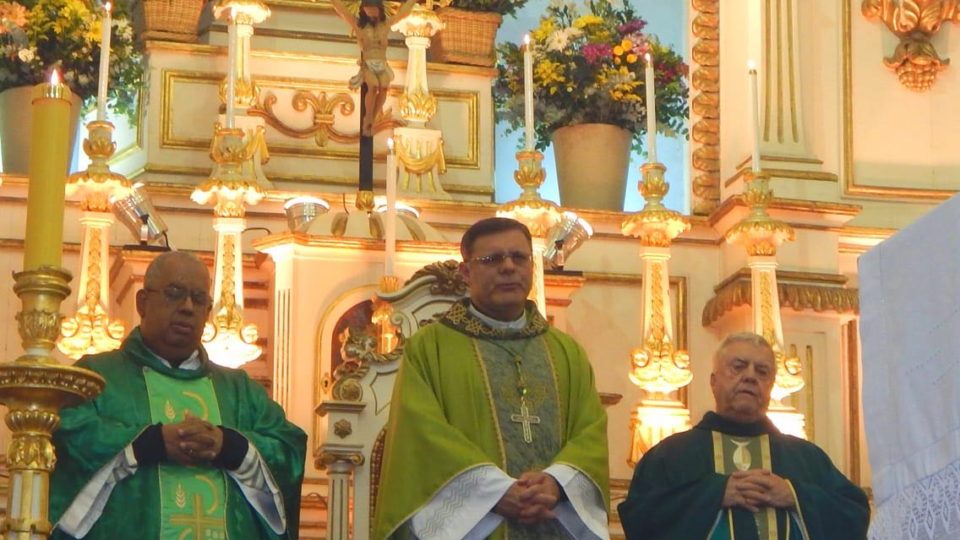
543, 31
626, 44
618, 50
631, 58
616, 60
587, 20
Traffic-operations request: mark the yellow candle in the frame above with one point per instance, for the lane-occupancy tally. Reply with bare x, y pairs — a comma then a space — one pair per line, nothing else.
49, 155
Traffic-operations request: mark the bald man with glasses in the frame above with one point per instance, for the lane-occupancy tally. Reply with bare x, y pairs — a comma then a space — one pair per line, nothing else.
495, 423
175, 446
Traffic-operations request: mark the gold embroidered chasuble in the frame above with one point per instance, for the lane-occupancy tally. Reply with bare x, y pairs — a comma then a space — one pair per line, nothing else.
456, 407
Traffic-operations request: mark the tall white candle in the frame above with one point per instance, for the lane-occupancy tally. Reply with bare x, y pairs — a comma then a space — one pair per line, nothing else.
528, 93
651, 111
754, 114
390, 228
104, 75
231, 67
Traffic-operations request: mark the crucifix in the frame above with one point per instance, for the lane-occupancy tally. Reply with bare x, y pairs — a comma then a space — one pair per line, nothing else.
527, 420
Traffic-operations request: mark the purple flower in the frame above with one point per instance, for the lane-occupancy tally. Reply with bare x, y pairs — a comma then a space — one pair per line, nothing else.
595, 52
630, 27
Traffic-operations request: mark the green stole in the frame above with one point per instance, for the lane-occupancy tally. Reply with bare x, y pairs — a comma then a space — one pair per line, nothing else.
743, 453
193, 499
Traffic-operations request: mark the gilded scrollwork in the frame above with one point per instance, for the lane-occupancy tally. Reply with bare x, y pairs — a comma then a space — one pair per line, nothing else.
418, 159
325, 109
705, 105
915, 60
449, 280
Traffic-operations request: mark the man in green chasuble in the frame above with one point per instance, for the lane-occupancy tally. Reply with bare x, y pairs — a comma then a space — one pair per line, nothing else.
175, 447
735, 476
496, 428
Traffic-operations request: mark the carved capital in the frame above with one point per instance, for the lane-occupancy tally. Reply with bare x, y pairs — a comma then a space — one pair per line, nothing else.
915, 60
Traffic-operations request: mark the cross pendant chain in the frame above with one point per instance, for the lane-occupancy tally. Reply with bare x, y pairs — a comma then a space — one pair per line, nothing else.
526, 419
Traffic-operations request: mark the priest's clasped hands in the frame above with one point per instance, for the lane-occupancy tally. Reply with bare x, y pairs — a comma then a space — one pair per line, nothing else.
193, 441
530, 499
756, 489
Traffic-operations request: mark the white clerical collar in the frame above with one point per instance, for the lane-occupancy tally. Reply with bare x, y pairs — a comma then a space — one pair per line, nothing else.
192, 362
518, 324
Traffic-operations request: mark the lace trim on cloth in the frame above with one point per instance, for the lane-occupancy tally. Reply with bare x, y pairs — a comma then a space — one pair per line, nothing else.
453, 501
459, 318
927, 510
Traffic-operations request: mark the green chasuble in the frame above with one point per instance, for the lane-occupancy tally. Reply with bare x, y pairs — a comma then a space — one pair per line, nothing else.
678, 487
456, 406
94, 433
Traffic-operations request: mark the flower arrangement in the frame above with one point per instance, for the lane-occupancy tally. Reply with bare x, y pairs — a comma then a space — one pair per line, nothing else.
503, 7
39, 35
588, 68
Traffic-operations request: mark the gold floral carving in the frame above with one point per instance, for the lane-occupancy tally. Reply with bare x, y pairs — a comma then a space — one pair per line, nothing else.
325, 109
449, 280
232, 183
418, 106
816, 297
342, 428
915, 60
705, 106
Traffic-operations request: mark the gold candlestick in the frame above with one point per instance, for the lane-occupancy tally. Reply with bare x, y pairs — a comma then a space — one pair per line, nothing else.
35, 386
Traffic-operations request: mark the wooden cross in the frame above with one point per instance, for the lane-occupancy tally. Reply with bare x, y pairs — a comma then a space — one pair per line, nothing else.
526, 419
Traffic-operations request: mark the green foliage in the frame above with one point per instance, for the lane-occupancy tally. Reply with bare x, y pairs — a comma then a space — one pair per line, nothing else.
39, 35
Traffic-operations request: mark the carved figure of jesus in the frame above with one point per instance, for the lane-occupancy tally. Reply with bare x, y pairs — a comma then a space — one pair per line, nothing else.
372, 27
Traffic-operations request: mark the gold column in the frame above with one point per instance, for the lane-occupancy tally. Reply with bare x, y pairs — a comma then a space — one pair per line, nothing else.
536, 213
658, 368
35, 386
231, 186
761, 235
90, 329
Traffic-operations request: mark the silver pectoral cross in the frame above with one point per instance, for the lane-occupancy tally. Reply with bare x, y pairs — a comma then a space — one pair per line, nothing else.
527, 420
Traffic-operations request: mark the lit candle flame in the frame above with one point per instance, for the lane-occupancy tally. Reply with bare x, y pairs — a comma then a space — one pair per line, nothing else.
108, 7
54, 78
647, 57
390, 144
526, 40
751, 65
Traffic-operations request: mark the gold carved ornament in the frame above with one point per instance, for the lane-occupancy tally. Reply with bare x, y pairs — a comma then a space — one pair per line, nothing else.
229, 184
418, 106
359, 350
90, 328
449, 280
530, 208
760, 234
915, 60
705, 106
657, 367
98, 183
419, 160
229, 318
328, 458
325, 109
655, 225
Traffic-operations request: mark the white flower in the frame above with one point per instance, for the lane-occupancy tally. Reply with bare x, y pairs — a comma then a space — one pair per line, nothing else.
83, 79
559, 39
27, 55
